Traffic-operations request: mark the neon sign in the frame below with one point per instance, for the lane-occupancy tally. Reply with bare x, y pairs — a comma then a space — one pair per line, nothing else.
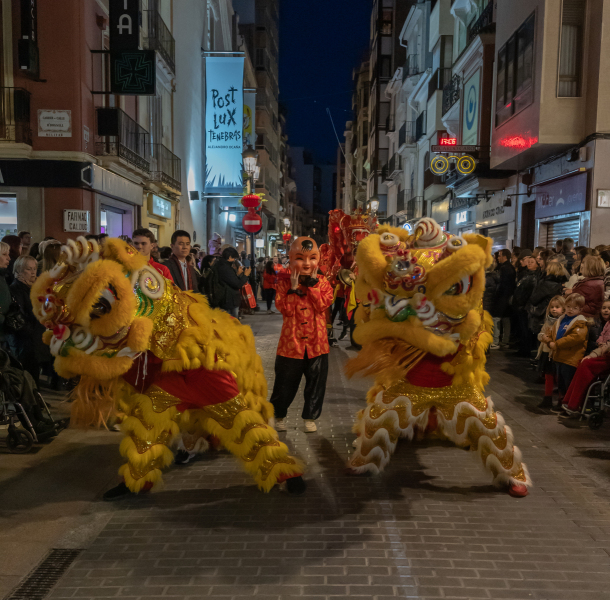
447, 141
519, 142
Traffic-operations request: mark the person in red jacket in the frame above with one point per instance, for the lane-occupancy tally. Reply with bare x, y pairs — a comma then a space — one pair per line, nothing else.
303, 299
143, 240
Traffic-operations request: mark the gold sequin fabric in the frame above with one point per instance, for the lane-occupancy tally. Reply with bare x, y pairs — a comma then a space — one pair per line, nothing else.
170, 318
160, 399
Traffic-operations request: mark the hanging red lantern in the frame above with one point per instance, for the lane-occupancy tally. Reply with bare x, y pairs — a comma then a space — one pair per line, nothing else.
250, 201
286, 236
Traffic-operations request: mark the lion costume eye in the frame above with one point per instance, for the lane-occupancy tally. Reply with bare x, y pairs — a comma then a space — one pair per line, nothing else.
104, 303
389, 240
461, 287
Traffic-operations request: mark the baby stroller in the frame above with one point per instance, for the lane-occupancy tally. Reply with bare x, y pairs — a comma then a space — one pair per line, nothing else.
21, 402
596, 402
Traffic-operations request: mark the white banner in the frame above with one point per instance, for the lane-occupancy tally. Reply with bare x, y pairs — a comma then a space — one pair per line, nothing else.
224, 125
250, 119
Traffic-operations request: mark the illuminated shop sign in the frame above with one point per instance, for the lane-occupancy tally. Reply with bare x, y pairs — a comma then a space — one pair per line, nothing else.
447, 141
224, 123
562, 197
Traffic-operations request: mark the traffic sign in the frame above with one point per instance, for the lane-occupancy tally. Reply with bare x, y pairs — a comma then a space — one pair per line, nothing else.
252, 223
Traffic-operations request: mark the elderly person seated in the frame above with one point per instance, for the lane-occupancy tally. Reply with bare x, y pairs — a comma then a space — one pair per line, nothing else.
26, 344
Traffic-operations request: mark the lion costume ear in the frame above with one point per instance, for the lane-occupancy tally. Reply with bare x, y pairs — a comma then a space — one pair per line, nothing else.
126, 255
483, 242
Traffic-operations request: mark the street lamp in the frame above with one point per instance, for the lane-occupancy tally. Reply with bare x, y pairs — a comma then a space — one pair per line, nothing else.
250, 157
374, 205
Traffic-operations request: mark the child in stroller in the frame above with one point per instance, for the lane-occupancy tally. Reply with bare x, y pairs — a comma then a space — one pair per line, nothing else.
19, 399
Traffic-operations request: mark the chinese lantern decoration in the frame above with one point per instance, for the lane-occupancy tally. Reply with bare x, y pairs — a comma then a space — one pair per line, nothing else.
286, 236
250, 201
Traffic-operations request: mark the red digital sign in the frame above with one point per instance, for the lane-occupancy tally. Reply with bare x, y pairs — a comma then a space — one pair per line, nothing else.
447, 141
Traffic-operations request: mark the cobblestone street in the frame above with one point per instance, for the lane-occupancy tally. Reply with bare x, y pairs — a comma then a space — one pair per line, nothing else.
432, 526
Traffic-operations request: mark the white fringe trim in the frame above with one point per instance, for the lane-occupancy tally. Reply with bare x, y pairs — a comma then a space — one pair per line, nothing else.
371, 450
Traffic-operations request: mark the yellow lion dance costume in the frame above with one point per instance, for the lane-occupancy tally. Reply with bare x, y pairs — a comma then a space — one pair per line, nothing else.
424, 335
159, 357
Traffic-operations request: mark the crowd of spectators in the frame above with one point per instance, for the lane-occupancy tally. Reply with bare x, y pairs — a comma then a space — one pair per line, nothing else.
552, 305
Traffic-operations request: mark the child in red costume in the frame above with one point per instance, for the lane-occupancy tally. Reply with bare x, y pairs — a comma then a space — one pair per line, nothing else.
303, 347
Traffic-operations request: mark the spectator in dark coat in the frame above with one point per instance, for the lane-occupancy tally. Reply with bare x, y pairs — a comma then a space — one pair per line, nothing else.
567, 249
14, 243
500, 307
523, 291
522, 263
229, 298
592, 286
184, 274
26, 345
548, 285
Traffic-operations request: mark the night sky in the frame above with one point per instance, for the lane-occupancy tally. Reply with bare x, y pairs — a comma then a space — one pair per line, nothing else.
321, 41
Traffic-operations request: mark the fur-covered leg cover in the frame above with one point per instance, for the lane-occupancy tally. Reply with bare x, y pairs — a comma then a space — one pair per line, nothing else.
244, 433
150, 427
485, 431
459, 413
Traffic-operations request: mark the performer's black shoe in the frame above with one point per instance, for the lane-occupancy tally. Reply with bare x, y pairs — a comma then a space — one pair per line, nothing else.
117, 493
183, 457
296, 486
344, 334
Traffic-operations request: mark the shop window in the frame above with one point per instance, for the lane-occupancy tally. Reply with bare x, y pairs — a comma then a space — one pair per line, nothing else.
569, 82
8, 215
515, 77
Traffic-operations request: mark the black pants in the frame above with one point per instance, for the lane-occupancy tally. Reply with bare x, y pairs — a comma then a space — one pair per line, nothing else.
288, 373
565, 374
339, 309
269, 296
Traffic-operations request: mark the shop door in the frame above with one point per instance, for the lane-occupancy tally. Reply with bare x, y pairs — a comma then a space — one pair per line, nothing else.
499, 235
528, 225
115, 221
559, 230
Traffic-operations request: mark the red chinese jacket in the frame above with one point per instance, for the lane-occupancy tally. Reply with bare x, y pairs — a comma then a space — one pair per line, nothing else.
304, 327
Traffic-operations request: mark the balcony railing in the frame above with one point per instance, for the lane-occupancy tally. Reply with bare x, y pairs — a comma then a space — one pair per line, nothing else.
420, 126
166, 167
411, 67
451, 93
438, 81
405, 134
415, 208
431, 179
394, 166
15, 116
160, 38
119, 135
484, 24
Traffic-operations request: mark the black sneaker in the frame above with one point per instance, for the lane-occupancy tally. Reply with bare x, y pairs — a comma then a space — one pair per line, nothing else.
558, 410
117, 493
343, 334
183, 457
296, 486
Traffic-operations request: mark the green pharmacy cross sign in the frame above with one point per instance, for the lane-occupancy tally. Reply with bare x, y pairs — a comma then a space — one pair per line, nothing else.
133, 72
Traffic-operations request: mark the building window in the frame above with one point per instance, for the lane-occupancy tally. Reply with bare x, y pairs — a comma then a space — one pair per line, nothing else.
569, 82
515, 76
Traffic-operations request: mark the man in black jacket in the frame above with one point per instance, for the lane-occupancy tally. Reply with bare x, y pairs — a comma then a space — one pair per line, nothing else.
501, 301
229, 281
183, 274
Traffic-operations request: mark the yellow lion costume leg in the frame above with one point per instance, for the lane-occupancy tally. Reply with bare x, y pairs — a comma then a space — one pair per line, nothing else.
149, 427
484, 430
244, 433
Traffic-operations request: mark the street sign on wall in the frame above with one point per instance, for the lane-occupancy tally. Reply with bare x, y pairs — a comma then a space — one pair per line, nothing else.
54, 123
224, 125
76, 221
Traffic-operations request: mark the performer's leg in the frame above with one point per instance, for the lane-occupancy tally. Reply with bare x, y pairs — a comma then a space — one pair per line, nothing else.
288, 373
378, 428
244, 433
150, 426
316, 373
487, 433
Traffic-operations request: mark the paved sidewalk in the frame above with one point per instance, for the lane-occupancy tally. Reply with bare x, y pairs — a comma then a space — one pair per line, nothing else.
432, 526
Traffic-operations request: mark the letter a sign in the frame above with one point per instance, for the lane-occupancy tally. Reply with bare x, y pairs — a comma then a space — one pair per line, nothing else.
124, 24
